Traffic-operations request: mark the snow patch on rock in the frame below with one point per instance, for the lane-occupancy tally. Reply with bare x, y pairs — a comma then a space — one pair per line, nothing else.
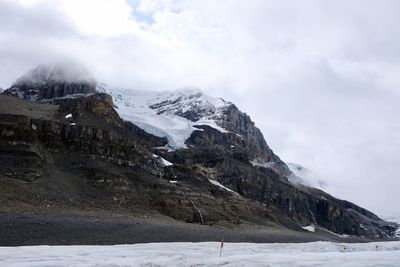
222, 186
166, 162
310, 228
163, 161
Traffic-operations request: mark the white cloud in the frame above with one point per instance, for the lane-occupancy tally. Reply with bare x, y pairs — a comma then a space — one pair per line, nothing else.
320, 78
101, 17
92, 17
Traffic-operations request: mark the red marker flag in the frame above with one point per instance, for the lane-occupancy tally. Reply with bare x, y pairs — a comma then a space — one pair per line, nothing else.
222, 245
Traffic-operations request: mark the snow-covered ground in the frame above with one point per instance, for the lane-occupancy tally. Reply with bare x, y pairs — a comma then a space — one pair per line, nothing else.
206, 254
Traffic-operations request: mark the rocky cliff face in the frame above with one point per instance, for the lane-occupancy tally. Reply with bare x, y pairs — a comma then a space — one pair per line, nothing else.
79, 153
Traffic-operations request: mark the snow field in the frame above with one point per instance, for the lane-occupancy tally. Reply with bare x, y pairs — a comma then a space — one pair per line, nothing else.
206, 254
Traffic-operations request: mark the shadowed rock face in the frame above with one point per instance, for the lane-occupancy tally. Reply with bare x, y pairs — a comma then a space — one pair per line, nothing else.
255, 145
51, 90
92, 159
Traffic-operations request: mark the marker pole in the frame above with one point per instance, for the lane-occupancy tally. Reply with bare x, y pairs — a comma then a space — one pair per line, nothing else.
220, 250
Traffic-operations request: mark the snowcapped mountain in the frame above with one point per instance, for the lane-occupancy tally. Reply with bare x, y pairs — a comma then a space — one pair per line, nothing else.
113, 141
174, 114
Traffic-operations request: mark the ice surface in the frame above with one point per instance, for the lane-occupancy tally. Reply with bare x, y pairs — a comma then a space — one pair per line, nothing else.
155, 112
206, 254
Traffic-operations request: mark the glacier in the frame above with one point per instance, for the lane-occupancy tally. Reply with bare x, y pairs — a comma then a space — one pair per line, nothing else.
206, 254
163, 113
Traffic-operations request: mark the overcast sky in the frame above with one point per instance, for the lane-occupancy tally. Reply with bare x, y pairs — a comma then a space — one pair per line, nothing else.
320, 78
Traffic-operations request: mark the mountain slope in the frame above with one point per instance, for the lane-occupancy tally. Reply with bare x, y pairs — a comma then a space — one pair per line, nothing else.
182, 154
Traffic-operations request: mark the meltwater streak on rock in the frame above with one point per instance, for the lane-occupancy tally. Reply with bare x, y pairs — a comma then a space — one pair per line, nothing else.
95, 160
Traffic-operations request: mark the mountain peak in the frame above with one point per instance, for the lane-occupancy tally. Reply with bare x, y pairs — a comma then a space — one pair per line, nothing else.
189, 102
57, 72
188, 90
55, 80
